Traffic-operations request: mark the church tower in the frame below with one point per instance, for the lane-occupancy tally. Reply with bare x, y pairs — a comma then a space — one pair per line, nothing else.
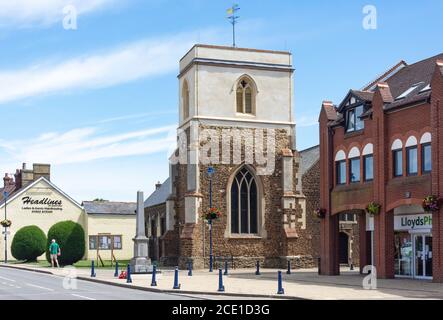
236, 117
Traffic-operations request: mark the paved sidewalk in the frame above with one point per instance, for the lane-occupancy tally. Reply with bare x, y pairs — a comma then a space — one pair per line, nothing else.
301, 284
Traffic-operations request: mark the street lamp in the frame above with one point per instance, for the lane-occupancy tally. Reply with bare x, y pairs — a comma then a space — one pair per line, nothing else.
211, 172
5, 196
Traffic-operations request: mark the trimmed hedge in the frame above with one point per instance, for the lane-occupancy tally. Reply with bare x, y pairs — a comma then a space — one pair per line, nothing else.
28, 243
71, 238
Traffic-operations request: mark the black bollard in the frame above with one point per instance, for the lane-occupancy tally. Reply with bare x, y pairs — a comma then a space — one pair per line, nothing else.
116, 269
92, 269
154, 280
176, 284
221, 287
189, 269
257, 271
128, 274
280, 284
319, 265
289, 267
226, 268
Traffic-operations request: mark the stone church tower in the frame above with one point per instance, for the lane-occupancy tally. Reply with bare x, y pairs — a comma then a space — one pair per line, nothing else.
239, 102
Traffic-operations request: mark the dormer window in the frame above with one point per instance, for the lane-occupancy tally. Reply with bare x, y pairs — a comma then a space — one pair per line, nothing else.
245, 96
353, 119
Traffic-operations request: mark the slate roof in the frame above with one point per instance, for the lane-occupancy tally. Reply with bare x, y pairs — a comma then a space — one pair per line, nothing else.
160, 195
308, 158
111, 208
400, 79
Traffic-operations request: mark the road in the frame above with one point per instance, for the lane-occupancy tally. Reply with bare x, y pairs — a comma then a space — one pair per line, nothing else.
26, 285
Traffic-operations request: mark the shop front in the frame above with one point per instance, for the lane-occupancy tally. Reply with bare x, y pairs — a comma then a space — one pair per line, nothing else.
413, 245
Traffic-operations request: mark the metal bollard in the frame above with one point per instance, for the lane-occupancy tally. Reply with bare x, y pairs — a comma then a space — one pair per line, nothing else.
289, 267
176, 284
116, 269
154, 280
128, 274
319, 265
226, 268
92, 269
189, 269
257, 271
280, 284
221, 287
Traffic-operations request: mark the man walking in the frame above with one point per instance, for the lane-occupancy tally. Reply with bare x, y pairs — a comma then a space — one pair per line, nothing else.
54, 252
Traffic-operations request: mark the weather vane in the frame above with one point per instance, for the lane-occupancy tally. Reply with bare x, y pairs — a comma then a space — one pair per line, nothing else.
233, 18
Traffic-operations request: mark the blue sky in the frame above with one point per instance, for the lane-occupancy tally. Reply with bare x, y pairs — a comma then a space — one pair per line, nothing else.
100, 103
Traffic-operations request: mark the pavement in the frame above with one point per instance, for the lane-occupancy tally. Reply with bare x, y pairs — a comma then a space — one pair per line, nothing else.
244, 284
16, 284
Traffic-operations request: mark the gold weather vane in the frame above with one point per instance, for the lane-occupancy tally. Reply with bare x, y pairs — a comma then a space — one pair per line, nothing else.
233, 18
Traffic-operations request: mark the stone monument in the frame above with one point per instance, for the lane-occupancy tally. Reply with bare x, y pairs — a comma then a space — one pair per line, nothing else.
140, 263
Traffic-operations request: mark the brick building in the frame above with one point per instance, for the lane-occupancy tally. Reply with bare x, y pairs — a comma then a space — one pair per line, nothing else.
241, 98
382, 145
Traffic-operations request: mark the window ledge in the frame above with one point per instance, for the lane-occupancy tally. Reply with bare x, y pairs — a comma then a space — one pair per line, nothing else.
354, 133
244, 237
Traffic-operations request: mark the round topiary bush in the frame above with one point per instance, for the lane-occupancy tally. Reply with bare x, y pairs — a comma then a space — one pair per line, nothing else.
70, 236
28, 243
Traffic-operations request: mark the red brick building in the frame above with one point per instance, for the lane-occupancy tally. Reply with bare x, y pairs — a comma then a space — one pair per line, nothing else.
383, 145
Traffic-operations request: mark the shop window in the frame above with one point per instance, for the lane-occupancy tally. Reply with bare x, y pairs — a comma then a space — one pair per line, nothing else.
353, 119
398, 162
104, 242
341, 172
92, 242
368, 167
412, 161
426, 154
117, 242
354, 170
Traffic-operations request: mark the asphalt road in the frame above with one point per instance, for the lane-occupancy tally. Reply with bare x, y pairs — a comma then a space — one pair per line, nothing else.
26, 285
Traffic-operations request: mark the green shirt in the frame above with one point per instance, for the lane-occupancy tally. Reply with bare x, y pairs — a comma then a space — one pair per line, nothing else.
53, 248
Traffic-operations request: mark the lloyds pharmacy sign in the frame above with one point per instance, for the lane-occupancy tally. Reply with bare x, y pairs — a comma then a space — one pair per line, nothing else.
41, 205
413, 222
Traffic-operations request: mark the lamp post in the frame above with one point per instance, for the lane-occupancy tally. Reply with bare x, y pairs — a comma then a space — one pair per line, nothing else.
211, 172
5, 196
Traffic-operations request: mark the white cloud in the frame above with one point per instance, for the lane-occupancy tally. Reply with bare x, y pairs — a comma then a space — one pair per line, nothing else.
43, 12
306, 121
86, 144
130, 62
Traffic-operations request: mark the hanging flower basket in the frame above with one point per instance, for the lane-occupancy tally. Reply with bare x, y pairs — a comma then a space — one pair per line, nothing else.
6, 223
212, 214
431, 204
373, 208
321, 213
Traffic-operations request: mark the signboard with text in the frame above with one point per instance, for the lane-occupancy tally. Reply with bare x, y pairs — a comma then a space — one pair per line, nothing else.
413, 222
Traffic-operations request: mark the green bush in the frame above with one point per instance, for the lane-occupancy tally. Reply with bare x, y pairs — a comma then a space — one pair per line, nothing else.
70, 236
28, 243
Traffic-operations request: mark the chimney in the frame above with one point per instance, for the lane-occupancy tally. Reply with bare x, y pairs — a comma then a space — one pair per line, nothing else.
18, 179
7, 180
41, 170
158, 185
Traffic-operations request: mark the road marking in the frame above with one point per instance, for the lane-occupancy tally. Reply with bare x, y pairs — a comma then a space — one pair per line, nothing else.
79, 296
7, 279
39, 287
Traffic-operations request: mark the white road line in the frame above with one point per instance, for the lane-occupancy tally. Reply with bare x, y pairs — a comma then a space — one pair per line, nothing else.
83, 297
39, 287
7, 279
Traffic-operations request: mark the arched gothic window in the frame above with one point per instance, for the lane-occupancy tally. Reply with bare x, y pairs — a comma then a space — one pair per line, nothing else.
244, 203
245, 96
185, 100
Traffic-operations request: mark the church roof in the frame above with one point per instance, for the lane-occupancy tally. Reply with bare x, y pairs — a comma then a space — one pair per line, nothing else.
160, 195
308, 158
